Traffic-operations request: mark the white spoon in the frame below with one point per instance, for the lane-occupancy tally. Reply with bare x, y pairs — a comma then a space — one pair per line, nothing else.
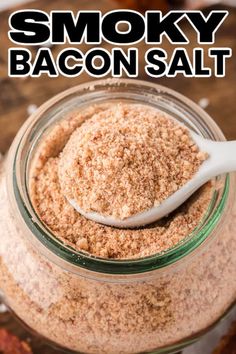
222, 159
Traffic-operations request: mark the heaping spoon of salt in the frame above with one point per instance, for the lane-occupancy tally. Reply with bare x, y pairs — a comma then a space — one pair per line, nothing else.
222, 159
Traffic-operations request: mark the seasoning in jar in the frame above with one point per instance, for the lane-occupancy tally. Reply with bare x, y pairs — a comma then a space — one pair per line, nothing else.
119, 160
92, 305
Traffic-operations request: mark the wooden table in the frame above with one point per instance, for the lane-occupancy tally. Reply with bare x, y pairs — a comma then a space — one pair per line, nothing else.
17, 94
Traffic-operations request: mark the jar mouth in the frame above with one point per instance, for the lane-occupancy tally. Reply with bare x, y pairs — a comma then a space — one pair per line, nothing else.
100, 91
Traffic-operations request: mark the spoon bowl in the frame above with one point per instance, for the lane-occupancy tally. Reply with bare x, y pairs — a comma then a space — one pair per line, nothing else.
221, 159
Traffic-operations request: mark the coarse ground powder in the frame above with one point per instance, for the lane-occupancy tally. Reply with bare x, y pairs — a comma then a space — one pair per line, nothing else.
127, 159
96, 313
48, 192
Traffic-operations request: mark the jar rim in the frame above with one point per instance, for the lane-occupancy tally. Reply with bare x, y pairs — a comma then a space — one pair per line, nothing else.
91, 91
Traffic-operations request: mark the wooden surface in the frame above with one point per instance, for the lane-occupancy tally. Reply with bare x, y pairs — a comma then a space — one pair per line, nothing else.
17, 94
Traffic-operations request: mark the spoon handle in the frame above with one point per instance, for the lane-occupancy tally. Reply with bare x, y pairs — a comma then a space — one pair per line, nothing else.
222, 157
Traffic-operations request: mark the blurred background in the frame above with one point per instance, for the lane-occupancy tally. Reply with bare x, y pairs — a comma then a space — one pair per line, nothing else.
19, 97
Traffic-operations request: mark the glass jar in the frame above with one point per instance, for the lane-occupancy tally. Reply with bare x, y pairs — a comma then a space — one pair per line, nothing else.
93, 305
